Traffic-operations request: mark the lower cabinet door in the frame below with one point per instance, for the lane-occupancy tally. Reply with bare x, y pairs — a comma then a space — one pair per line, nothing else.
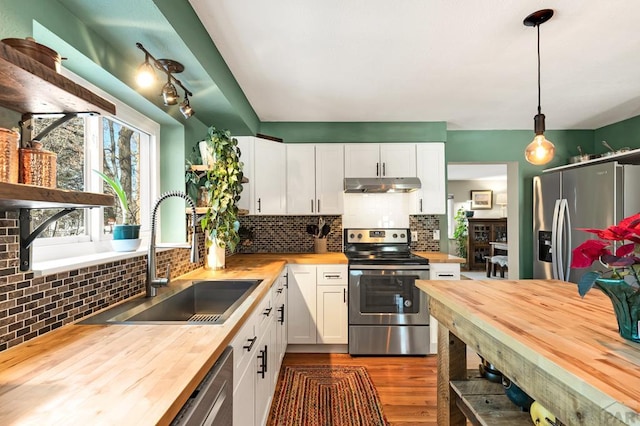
264, 375
302, 304
244, 398
332, 320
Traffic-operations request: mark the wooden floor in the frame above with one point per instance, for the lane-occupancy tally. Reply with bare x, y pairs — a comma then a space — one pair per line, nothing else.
406, 385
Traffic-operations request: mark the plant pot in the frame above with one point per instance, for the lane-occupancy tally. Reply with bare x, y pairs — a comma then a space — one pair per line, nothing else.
126, 245
126, 232
215, 257
626, 304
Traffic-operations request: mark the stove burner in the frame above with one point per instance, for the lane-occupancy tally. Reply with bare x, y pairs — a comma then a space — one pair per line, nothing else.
380, 247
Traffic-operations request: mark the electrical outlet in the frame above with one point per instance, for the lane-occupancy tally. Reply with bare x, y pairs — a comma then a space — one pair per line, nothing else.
436, 235
414, 235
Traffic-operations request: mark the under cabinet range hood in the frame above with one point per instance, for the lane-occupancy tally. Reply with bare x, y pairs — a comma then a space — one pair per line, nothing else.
378, 185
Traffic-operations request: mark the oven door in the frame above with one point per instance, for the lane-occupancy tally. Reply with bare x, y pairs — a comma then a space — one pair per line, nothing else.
381, 295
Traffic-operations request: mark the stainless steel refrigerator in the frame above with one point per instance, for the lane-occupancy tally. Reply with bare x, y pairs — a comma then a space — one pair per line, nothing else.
589, 196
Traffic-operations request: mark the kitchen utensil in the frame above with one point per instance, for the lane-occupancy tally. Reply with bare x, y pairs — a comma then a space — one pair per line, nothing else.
489, 372
516, 395
320, 226
613, 151
325, 230
582, 157
312, 230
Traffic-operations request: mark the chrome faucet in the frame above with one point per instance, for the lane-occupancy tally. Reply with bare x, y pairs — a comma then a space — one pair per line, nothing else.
154, 282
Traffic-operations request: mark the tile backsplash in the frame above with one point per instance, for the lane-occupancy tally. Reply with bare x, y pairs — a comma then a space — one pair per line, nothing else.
33, 305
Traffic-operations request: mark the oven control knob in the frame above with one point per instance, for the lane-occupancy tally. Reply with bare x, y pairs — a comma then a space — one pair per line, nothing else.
352, 235
395, 235
402, 235
359, 236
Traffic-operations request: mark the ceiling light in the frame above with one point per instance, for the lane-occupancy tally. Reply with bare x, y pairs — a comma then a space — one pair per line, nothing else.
185, 107
540, 151
169, 93
146, 76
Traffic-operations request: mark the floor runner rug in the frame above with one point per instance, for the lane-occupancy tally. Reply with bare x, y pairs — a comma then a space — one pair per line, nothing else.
332, 395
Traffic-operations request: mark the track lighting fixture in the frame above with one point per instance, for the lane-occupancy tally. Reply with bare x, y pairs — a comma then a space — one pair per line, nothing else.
540, 151
146, 76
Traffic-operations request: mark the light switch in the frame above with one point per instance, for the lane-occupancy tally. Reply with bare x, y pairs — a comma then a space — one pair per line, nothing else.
436, 235
414, 235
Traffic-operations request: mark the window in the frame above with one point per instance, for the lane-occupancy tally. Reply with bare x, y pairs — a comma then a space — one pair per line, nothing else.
123, 147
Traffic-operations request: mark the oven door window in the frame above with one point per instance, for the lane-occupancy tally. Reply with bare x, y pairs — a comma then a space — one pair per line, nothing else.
389, 294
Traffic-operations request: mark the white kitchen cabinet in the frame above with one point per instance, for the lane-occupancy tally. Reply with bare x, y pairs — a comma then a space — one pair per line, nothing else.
264, 377
314, 178
301, 299
280, 304
440, 271
269, 177
431, 198
380, 160
245, 145
332, 312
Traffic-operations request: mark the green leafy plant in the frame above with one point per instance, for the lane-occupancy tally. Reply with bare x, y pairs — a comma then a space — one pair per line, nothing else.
622, 263
460, 232
223, 181
129, 214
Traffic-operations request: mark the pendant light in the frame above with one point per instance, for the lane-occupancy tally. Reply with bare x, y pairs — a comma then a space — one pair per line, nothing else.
540, 151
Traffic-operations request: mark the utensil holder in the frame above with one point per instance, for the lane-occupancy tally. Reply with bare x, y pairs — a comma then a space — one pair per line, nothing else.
319, 245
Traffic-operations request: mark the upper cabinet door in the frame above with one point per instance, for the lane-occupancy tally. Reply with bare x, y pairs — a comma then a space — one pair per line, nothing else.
301, 179
432, 197
270, 177
245, 144
362, 160
398, 159
329, 178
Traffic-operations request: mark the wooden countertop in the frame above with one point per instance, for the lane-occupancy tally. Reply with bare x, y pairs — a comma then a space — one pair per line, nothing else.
563, 350
439, 257
127, 374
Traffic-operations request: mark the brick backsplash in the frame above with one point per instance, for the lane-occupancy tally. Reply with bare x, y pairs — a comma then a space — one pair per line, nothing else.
31, 306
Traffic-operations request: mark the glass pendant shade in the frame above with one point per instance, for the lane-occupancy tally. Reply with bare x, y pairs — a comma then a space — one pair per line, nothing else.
186, 109
169, 94
540, 151
146, 75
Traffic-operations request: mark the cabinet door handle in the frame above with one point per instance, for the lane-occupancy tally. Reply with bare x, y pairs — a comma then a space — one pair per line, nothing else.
250, 345
318, 205
384, 169
312, 205
377, 169
344, 295
266, 354
420, 205
263, 361
267, 312
279, 290
281, 310
286, 280
259, 205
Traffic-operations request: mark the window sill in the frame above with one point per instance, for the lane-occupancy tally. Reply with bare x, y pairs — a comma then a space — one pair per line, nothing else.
71, 263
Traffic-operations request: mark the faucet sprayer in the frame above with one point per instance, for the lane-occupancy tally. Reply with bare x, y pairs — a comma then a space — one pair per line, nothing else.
153, 282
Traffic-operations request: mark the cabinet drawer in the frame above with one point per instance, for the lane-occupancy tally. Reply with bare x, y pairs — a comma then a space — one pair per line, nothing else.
331, 274
244, 347
444, 271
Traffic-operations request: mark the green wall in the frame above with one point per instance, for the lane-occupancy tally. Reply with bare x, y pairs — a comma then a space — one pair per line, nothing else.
490, 146
619, 135
293, 132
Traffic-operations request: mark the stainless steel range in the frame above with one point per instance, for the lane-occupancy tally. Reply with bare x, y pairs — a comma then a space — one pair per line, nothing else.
388, 315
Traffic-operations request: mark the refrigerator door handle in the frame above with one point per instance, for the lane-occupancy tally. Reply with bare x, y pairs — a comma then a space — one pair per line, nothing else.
555, 241
567, 230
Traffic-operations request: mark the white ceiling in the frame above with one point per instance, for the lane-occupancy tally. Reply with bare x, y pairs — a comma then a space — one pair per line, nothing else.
476, 171
469, 63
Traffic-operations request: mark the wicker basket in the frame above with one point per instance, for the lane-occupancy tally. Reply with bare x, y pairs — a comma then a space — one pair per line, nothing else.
37, 166
9, 164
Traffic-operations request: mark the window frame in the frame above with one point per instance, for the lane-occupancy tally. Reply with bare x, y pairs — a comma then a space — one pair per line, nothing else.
95, 241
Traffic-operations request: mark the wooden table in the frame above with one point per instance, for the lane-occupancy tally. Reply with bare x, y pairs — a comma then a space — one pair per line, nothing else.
498, 245
562, 350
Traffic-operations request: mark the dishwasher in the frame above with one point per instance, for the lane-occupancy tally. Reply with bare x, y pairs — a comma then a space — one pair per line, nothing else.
211, 403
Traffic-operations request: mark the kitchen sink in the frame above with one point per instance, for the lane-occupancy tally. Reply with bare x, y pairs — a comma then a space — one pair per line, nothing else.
201, 302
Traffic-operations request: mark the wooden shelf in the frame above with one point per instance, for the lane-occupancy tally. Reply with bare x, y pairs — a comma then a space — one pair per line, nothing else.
27, 86
19, 196
485, 403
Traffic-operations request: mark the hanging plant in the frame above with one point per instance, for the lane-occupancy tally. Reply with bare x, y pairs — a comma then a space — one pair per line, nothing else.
223, 182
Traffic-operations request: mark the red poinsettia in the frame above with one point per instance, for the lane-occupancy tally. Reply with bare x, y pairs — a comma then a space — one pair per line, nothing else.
621, 262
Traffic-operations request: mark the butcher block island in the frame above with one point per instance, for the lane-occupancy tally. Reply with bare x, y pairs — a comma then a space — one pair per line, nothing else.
128, 374
562, 350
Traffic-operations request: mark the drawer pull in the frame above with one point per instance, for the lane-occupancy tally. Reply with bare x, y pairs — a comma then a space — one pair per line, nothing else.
279, 290
267, 312
333, 276
446, 275
250, 345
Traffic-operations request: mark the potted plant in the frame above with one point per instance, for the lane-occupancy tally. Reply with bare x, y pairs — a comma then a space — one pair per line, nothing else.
460, 233
619, 279
223, 185
126, 235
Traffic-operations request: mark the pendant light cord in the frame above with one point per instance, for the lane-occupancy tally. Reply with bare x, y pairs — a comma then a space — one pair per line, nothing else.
539, 109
